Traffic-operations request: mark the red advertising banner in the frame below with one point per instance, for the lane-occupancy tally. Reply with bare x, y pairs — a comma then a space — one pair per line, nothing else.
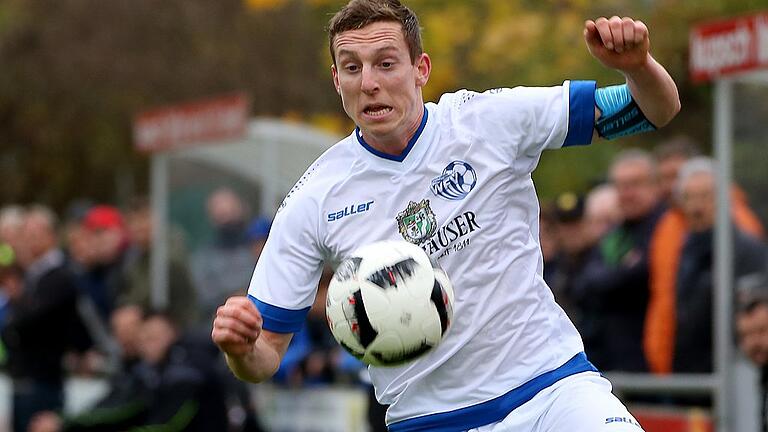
185, 125
674, 420
723, 48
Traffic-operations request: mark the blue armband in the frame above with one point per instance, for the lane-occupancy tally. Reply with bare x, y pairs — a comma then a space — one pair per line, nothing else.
619, 113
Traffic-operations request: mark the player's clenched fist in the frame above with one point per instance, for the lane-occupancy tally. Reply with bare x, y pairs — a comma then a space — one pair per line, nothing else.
237, 326
618, 43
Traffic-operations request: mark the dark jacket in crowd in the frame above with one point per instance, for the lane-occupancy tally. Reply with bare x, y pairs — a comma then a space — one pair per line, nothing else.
695, 281
101, 283
564, 272
612, 294
42, 326
44, 323
185, 389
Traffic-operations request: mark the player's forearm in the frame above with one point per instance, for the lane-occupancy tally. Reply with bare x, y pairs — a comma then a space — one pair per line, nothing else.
257, 365
654, 91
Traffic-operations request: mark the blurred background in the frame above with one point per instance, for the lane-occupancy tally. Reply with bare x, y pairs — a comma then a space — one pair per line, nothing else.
182, 124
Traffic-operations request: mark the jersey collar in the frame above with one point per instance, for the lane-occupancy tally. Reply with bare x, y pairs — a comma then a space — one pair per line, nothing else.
396, 158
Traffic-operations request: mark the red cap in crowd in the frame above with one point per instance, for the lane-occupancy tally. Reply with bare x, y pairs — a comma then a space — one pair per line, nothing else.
103, 217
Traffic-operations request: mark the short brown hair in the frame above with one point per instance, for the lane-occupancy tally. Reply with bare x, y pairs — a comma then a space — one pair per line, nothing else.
679, 146
360, 13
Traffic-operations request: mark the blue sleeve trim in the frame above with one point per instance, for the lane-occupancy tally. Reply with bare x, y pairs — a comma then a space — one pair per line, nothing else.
581, 113
279, 320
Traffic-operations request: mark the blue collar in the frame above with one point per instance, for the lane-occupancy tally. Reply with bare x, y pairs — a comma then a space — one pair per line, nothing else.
401, 157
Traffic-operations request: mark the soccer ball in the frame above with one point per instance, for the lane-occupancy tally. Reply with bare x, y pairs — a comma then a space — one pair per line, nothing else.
388, 304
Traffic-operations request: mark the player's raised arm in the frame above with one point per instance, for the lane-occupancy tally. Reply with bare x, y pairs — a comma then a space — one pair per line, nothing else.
253, 354
623, 44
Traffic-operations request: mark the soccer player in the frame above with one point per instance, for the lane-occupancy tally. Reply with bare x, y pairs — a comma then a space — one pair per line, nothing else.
453, 177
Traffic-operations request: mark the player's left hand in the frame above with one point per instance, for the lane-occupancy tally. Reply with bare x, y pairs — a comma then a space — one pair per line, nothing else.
618, 43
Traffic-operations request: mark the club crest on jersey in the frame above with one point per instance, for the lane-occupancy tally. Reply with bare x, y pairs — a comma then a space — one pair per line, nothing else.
417, 223
456, 182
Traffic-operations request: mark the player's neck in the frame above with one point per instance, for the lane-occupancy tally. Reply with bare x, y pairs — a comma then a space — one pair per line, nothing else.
396, 142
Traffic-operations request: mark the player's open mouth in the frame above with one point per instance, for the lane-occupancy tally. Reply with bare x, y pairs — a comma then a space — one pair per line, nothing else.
377, 110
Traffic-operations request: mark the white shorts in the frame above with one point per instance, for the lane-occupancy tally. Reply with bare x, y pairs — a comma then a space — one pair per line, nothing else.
578, 403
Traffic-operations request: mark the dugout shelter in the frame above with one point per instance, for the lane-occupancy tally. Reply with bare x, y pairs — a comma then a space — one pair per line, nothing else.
197, 146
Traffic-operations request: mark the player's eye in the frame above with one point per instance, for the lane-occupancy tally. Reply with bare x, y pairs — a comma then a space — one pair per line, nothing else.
352, 68
387, 64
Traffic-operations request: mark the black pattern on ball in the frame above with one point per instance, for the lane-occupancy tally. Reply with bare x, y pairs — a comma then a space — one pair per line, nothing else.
366, 332
389, 276
403, 357
439, 302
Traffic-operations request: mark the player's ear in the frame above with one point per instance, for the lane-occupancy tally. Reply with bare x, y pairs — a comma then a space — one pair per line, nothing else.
335, 74
424, 67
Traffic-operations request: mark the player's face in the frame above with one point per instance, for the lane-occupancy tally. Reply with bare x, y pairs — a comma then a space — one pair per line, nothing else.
379, 85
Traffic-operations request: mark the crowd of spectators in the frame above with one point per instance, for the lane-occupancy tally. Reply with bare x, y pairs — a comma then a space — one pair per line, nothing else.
630, 261
76, 299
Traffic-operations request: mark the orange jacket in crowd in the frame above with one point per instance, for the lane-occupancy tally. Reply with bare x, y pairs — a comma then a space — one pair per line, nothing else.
664, 258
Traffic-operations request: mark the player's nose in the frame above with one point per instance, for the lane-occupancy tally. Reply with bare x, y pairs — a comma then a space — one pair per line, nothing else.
369, 82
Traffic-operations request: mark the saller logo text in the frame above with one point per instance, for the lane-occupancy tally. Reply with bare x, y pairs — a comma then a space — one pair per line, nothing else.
349, 211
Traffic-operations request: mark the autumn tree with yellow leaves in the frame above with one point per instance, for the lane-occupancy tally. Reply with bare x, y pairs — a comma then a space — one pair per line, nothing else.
75, 72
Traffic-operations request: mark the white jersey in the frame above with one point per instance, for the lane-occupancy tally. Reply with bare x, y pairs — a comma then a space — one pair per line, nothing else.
462, 190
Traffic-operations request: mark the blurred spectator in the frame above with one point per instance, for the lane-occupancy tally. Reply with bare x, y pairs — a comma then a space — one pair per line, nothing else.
126, 323
666, 248
695, 191
11, 221
43, 323
135, 287
107, 240
601, 211
614, 281
224, 266
577, 239
670, 155
77, 239
574, 244
752, 330
569, 213
81, 255
11, 224
115, 410
11, 285
257, 234
172, 388
184, 390
80, 259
